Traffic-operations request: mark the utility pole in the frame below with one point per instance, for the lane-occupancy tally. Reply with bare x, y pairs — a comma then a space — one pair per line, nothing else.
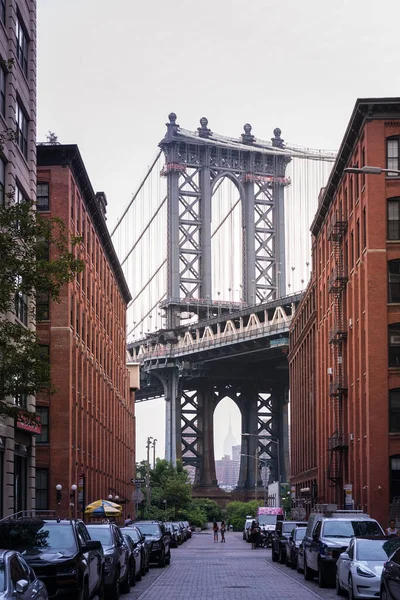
154, 453
256, 473
148, 473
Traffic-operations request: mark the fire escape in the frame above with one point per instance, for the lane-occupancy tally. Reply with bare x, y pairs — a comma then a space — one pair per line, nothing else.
337, 337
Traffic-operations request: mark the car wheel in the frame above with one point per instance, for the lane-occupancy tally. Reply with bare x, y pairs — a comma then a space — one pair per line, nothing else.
287, 561
339, 589
84, 594
322, 579
132, 574
281, 556
352, 596
168, 559
298, 568
293, 562
114, 588
125, 584
147, 568
383, 595
308, 573
161, 562
275, 556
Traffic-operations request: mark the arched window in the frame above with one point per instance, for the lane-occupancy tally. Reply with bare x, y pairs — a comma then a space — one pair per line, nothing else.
394, 345
394, 280
394, 410
393, 219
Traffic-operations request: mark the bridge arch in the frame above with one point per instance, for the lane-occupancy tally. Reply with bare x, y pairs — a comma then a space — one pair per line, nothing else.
227, 425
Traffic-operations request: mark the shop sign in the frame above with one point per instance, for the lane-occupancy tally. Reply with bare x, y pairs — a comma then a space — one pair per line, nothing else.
27, 424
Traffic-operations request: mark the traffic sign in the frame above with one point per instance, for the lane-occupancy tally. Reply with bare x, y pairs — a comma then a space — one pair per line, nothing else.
135, 481
137, 496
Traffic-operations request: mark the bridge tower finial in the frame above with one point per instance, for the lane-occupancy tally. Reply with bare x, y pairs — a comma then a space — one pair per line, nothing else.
172, 126
204, 131
277, 141
247, 137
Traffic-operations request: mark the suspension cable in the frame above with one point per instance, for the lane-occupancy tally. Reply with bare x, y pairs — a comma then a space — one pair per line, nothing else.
135, 195
147, 314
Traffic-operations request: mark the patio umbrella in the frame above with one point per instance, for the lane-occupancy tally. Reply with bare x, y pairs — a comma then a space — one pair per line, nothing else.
103, 508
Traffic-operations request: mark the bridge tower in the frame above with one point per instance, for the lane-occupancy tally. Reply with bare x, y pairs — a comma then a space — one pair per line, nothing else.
194, 164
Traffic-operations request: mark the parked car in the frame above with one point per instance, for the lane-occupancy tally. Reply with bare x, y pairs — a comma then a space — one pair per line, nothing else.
188, 529
283, 529
155, 532
359, 569
140, 541
179, 533
246, 529
17, 579
134, 560
327, 537
60, 552
292, 545
116, 554
173, 530
390, 578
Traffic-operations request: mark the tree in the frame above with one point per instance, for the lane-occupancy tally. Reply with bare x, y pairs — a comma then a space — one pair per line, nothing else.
38, 256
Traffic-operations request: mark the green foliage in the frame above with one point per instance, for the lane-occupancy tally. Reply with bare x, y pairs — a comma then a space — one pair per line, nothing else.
38, 257
171, 491
237, 512
209, 508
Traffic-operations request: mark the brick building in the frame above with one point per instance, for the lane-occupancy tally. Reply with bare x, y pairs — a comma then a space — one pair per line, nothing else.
18, 172
87, 437
356, 290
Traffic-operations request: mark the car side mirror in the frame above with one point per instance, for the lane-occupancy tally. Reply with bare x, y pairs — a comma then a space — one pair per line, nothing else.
21, 586
345, 556
92, 545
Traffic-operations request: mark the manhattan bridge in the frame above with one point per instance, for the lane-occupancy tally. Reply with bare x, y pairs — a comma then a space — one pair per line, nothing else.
215, 246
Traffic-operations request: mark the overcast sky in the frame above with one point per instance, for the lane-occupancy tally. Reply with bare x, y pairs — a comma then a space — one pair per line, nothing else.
110, 72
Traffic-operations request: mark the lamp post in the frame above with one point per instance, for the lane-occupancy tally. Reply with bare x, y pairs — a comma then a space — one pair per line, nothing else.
259, 460
58, 493
72, 493
154, 453
148, 444
276, 442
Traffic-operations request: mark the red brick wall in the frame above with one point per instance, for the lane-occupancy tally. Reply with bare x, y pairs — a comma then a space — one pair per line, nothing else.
92, 411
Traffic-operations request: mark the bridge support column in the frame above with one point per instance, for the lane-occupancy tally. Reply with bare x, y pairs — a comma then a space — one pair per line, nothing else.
248, 473
205, 474
280, 431
173, 436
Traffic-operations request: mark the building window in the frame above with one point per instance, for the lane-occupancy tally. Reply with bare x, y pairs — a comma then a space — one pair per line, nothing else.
22, 129
21, 400
43, 306
392, 152
22, 46
21, 302
43, 414
363, 165
364, 228
42, 489
358, 239
42, 197
393, 219
3, 10
394, 410
394, 281
394, 345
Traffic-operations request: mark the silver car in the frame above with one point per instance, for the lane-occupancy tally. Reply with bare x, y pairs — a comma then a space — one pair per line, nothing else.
359, 569
17, 579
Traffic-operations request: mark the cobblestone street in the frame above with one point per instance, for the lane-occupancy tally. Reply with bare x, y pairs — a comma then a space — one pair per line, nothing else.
203, 570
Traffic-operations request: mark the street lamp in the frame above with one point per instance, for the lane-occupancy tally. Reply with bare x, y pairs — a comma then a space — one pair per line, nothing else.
273, 441
260, 460
58, 493
370, 170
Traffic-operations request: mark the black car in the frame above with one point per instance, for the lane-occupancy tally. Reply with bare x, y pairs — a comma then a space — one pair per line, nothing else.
174, 534
156, 534
390, 578
140, 542
282, 533
61, 553
116, 553
292, 546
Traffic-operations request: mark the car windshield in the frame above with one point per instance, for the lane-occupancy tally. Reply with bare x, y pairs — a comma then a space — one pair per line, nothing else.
287, 527
336, 528
101, 534
132, 533
267, 519
376, 549
299, 533
38, 537
149, 528
2, 577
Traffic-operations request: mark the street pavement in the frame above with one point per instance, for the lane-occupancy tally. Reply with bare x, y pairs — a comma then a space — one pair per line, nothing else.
203, 570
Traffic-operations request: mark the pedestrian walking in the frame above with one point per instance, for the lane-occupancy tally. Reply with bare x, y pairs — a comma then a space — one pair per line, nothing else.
223, 529
215, 530
391, 530
128, 521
